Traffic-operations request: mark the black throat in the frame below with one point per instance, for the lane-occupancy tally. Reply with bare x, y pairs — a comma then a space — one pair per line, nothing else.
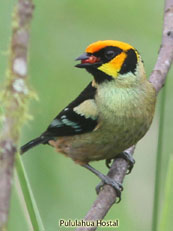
98, 75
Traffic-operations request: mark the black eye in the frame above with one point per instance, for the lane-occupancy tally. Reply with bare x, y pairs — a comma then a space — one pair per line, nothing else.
109, 54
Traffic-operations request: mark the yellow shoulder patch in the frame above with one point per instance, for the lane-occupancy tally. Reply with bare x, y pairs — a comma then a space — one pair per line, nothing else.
88, 109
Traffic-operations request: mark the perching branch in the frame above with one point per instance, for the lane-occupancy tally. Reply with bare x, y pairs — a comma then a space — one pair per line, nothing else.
107, 196
13, 100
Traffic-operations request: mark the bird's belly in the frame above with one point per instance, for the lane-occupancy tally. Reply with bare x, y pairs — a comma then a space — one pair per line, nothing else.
102, 144
125, 115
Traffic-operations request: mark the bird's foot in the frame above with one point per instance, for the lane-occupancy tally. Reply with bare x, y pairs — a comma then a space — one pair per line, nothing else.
105, 180
129, 158
117, 186
126, 156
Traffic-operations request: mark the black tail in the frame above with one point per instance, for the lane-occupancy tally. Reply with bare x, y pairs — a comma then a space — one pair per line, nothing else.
39, 140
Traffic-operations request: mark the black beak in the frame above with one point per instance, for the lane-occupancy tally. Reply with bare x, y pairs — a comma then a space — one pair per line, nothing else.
88, 60
82, 57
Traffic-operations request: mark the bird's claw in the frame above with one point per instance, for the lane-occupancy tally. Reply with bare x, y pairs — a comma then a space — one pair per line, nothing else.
125, 155
117, 186
129, 158
108, 163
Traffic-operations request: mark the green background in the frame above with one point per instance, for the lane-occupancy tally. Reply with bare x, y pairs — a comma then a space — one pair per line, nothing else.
61, 30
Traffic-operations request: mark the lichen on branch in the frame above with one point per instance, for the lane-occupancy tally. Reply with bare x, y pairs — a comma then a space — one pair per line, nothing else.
14, 98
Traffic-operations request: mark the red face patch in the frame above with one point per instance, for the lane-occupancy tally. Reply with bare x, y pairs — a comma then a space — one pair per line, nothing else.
92, 59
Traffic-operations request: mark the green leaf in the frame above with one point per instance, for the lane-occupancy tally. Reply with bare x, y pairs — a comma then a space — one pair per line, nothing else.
167, 212
158, 171
28, 196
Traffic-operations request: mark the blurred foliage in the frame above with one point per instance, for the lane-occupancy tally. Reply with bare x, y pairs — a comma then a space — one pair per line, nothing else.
60, 32
166, 218
28, 197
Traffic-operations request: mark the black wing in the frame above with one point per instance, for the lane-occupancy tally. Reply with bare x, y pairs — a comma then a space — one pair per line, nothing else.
68, 122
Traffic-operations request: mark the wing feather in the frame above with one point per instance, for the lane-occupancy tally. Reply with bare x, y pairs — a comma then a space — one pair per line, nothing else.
80, 116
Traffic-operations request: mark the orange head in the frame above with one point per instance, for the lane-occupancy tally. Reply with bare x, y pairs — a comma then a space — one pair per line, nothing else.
108, 59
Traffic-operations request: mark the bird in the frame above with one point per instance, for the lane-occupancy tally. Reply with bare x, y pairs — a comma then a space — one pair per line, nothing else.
110, 115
